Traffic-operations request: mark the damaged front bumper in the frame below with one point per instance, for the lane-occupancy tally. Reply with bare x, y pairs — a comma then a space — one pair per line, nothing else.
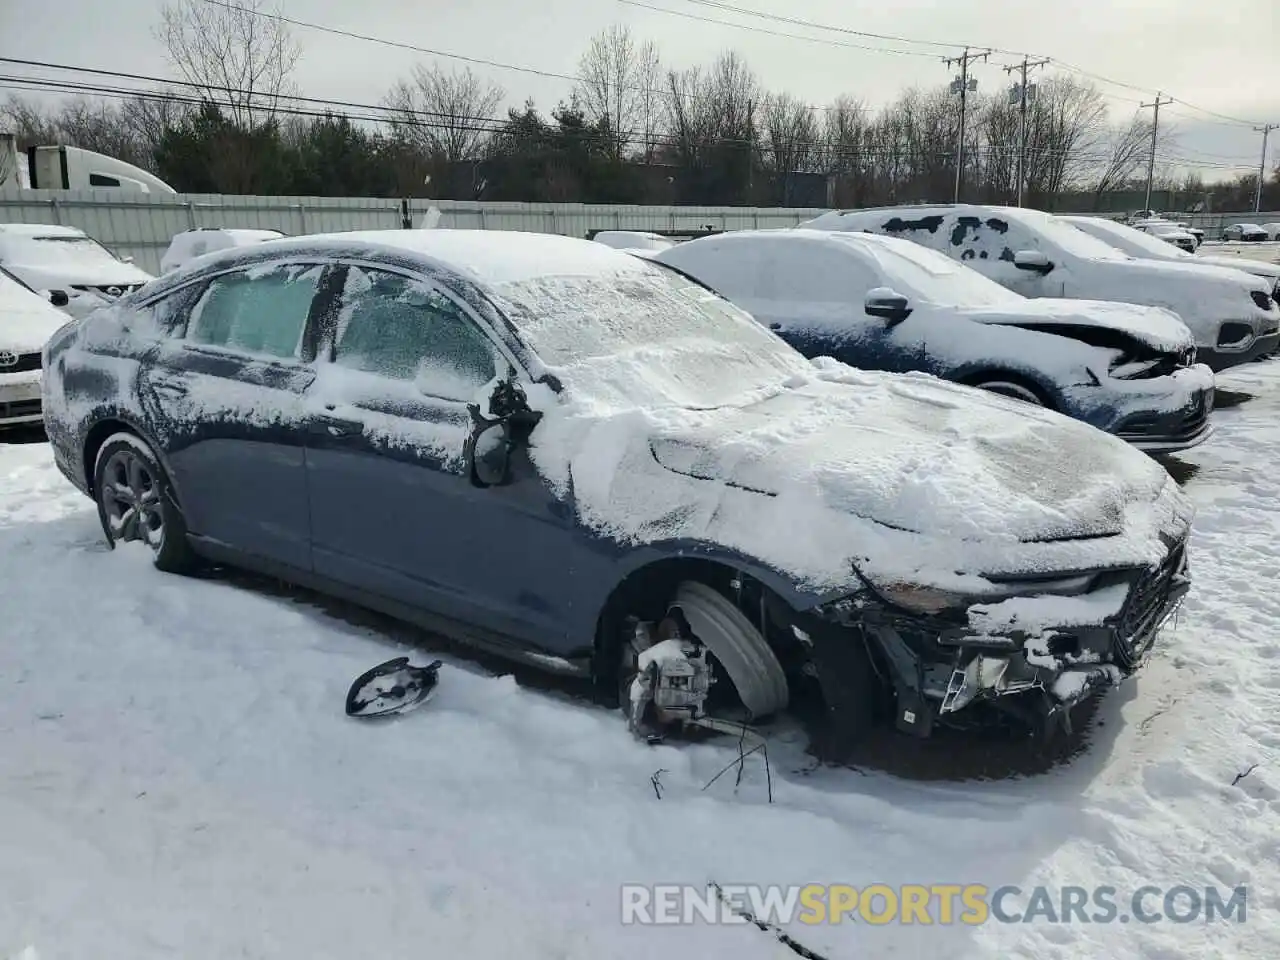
939, 668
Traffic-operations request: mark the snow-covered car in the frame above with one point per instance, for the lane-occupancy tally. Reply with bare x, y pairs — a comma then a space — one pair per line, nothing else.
47, 257
1136, 243
1169, 232
27, 321
633, 240
1231, 314
1273, 230
194, 243
584, 459
1247, 232
882, 303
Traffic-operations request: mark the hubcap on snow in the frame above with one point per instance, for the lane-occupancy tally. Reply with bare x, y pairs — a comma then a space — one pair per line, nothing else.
131, 499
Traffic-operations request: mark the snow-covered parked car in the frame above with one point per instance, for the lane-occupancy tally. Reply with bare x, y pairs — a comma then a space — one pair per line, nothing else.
882, 303
1246, 232
633, 240
67, 260
194, 243
1136, 243
556, 450
27, 321
1273, 230
1231, 315
1169, 232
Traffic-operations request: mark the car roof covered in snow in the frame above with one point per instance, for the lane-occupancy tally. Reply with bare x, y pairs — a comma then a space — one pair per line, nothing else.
487, 257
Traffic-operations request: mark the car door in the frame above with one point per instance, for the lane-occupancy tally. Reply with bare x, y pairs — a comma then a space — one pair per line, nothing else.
988, 244
815, 298
393, 508
224, 399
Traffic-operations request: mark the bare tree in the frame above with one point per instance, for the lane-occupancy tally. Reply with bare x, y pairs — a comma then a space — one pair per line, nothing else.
791, 135
619, 85
236, 53
32, 125
1130, 146
447, 116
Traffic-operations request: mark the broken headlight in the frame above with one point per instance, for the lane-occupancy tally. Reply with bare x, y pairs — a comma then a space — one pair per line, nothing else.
931, 601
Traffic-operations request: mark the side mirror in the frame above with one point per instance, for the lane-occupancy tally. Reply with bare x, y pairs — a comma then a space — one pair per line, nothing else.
887, 304
59, 298
1032, 260
490, 455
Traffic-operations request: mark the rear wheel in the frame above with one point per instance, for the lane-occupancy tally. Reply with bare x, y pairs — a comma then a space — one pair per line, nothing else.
1012, 389
136, 503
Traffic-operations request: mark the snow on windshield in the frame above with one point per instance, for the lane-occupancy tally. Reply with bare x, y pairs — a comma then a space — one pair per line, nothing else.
647, 337
1127, 240
1075, 242
934, 277
60, 250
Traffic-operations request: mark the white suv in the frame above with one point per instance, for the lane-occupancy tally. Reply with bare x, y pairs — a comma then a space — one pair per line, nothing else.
27, 321
1230, 313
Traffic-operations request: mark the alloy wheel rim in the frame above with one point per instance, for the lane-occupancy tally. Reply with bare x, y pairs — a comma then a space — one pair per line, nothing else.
131, 500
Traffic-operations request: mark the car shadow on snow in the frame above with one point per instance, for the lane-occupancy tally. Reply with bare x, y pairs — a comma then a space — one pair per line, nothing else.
990, 753
1224, 398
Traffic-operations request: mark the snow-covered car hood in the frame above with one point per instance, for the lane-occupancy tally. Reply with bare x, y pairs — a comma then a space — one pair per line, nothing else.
905, 478
1259, 268
1195, 292
26, 321
1154, 327
902, 468
56, 277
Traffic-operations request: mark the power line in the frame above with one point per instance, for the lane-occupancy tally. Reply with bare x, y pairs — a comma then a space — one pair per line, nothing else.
778, 33
795, 21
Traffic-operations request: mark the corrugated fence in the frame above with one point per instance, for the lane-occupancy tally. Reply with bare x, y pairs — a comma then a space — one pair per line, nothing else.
141, 226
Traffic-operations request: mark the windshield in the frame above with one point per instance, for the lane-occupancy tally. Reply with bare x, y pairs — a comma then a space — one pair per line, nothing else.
1136, 243
61, 250
647, 336
934, 277
1068, 239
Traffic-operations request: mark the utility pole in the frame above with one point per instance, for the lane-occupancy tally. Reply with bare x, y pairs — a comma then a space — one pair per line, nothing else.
1262, 164
1023, 93
964, 86
1161, 100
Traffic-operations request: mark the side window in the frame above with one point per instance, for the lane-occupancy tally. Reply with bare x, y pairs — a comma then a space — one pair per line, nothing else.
167, 316
977, 241
819, 273
262, 311
398, 327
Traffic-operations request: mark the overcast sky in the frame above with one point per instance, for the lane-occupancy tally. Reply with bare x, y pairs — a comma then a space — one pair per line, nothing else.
1221, 56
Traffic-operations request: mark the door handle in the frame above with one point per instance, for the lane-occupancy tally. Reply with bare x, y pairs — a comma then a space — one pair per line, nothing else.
338, 428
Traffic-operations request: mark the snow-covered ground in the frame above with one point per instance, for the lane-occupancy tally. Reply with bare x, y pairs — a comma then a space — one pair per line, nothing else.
177, 777
1268, 250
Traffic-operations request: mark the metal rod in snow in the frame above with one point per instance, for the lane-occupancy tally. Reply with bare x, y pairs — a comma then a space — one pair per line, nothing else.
1262, 165
1155, 128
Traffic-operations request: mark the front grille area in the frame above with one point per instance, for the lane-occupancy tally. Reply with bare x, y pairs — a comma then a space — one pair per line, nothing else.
108, 289
19, 408
26, 361
1147, 603
1190, 423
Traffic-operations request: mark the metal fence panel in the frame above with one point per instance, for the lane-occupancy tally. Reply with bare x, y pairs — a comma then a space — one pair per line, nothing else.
141, 226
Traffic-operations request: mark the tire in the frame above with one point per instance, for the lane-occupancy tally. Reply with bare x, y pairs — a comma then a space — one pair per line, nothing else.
136, 503
1013, 389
